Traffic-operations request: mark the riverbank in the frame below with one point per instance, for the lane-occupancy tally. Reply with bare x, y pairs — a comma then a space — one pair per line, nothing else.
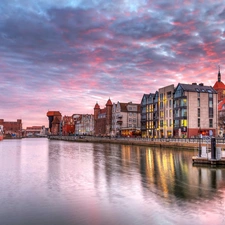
159, 142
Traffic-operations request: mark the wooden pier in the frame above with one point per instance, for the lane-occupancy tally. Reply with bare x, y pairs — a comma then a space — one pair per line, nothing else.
204, 160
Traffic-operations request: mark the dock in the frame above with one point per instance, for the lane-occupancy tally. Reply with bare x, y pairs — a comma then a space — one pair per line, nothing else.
205, 160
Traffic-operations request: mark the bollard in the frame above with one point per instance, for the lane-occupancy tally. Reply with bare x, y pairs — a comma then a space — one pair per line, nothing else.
213, 148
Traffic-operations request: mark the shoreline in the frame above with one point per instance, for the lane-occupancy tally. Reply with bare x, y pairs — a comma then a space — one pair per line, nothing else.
168, 143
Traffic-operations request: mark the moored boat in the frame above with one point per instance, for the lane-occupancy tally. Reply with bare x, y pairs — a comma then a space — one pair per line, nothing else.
1, 132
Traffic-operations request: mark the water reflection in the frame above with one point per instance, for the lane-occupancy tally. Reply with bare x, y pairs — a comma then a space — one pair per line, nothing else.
56, 182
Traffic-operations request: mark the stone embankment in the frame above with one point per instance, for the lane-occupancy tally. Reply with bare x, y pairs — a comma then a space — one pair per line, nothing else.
185, 143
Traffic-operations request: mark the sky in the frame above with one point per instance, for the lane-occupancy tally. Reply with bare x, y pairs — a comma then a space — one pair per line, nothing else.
66, 55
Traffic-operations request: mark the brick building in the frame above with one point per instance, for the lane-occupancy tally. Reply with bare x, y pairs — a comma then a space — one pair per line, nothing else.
54, 118
195, 110
103, 119
67, 125
12, 129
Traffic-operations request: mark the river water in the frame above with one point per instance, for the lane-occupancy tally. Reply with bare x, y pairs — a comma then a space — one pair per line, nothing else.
66, 183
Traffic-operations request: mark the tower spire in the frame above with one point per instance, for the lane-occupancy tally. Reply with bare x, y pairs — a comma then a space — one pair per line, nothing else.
219, 75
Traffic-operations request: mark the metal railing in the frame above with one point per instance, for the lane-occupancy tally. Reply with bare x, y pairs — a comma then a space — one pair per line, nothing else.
175, 140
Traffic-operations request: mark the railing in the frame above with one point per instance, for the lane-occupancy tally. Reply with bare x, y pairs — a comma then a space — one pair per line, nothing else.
175, 140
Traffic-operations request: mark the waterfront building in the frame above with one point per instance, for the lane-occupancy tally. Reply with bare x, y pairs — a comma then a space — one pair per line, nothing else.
219, 87
166, 111
144, 115
103, 119
12, 128
84, 124
126, 119
221, 118
156, 115
67, 125
147, 118
54, 118
195, 109
35, 131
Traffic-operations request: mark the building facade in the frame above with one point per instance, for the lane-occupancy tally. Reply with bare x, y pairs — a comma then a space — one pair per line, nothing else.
12, 128
54, 118
126, 119
195, 109
166, 111
103, 119
67, 125
84, 124
35, 131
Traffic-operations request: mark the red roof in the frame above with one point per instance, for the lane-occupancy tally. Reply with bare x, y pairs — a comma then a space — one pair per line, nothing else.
97, 106
109, 102
53, 113
219, 85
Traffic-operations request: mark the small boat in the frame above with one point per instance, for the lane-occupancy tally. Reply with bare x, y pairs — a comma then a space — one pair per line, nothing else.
1, 132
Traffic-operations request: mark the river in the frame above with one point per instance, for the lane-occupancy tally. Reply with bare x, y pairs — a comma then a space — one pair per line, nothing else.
50, 182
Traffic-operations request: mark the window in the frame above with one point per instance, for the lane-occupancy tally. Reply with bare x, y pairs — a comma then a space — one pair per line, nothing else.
161, 105
198, 112
198, 102
161, 123
176, 123
198, 122
161, 96
210, 103
210, 122
184, 112
183, 102
210, 112
169, 94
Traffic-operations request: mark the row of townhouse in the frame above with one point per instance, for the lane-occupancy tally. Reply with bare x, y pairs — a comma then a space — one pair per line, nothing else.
76, 124
185, 111
117, 119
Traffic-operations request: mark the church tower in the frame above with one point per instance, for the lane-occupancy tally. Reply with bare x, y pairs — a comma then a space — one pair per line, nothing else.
109, 106
219, 87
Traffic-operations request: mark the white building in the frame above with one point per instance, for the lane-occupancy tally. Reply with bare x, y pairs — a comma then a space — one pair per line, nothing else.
126, 119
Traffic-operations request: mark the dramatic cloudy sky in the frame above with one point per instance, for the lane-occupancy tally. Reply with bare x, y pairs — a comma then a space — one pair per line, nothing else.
66, 55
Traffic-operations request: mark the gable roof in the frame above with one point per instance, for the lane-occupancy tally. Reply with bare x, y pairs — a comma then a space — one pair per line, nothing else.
197, 88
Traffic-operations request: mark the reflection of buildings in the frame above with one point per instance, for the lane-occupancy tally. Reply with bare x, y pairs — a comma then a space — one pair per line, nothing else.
13, 129
54, 118
163, 172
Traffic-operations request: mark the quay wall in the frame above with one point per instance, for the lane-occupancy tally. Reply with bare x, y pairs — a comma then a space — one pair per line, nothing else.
192, 143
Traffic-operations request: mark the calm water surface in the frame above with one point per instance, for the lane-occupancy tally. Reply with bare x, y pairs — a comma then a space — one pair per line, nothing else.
54, 182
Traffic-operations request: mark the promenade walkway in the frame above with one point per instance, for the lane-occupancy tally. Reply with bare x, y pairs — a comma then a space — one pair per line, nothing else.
186, 143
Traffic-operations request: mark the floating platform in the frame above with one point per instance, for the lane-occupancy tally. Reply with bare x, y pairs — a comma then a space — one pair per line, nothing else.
204, 160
